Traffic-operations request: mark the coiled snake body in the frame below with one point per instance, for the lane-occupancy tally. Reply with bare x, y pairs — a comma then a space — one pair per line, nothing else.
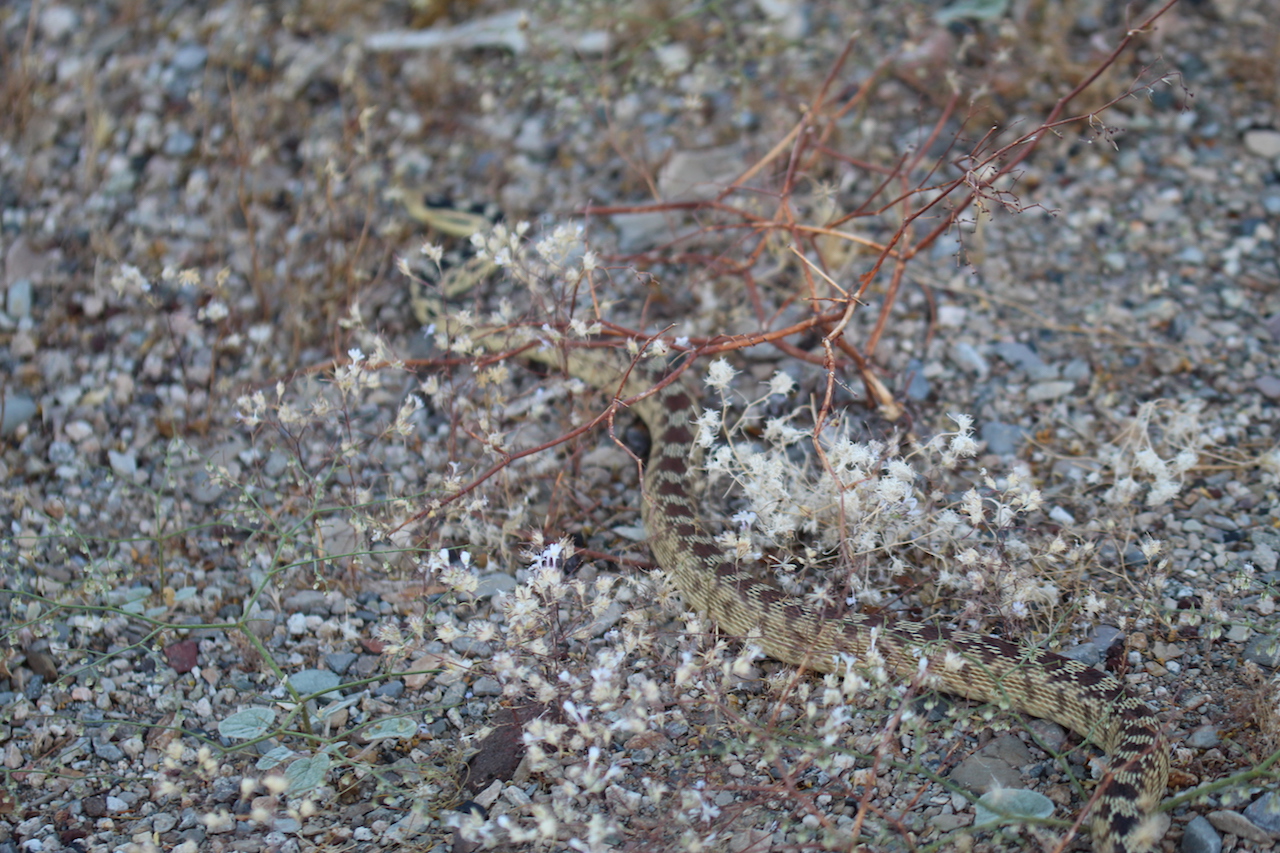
988, 669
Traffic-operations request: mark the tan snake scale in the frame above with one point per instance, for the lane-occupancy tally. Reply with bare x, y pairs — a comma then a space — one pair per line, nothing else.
1034, 682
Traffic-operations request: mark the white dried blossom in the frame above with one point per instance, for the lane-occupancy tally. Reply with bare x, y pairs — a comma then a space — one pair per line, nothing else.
781, 434
129, 279
215, 312
781, 383
719, 374
708, 424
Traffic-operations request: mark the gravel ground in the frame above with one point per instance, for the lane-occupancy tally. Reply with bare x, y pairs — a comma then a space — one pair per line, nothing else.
221, 637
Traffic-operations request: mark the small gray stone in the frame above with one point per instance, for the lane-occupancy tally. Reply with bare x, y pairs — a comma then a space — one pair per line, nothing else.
1191, 255
1264, 649
107, 751
1236, 633
493, 584
640, 231
124, 464
1095, 650
57, 22
18, 409
1264, 812
1049, 736
982, 773
61, 453
179, 143
311, 601
453, 695
163, 822
945, 823
1115, 261
1264, 142
486, 686
390, 690
1265, 557
190, 58
1042, 392
17, 302
468, 647
202, 489
340, 662
968, 359
1008, 749
918, 386
1238, 825
1024, 358
1269, 386
1200, 837
1077, 370
1205, 737
277, 462
1002, 439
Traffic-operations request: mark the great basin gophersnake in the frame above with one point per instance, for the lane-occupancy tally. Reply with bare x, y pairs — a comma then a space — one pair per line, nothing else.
1039, 683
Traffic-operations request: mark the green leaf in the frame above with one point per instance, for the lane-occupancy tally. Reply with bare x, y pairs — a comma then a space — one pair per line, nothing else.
396, 727
973, 10
312, 681
1010, 804
247, 724
274, 758
306, 773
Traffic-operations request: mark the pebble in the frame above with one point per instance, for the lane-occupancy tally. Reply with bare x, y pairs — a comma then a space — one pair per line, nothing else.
124, 464
57, 22
17, 303
1225, 820
981, 773
107, 751
78, 431
18, 409
1205, 737
1077, 370
1025, 359
1199, 836
190, 58
1236, 633
390, 690
296, 624
340, 662
1269, 386
486, 686
469, 647
178, 144
1264, 649
1271, 203
1264, 143
1191, 255
308, 601
493, 584
918, 386
1264, 812
1042, 392
1001, 439
968, 359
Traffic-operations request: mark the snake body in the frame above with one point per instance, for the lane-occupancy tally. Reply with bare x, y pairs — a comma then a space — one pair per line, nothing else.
987, 669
